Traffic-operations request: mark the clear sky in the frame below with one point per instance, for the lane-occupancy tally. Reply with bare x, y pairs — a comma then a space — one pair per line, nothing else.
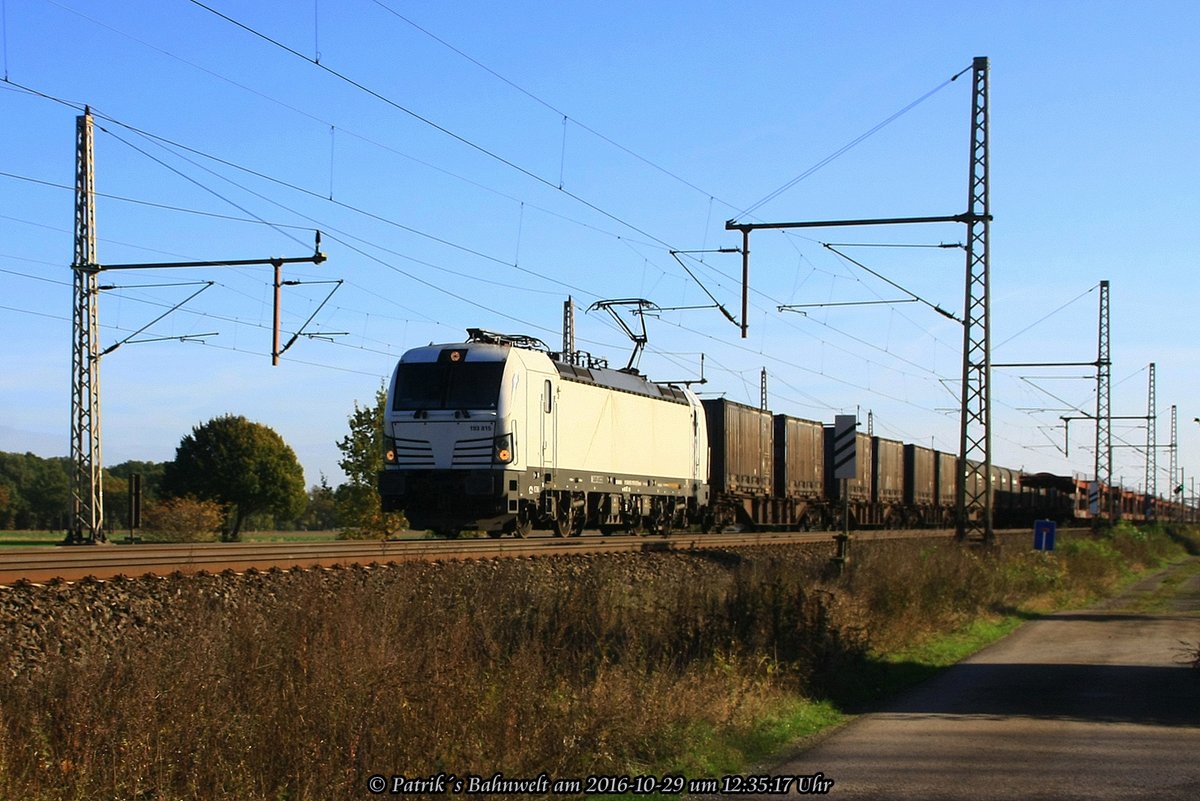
471, 164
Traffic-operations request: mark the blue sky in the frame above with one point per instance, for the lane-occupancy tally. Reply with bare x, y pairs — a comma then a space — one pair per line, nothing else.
495, 157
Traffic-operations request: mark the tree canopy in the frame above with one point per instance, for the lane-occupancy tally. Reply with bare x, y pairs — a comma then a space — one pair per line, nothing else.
358, 504
35, 491
242, 464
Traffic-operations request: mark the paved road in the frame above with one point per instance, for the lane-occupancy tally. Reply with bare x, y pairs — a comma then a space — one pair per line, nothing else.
1078, 705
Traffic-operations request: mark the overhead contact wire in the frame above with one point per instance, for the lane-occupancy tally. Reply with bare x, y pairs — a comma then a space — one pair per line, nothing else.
436, 126
566, 117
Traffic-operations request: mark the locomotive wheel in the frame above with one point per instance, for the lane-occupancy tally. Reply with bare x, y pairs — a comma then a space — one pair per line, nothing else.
568, 524
522, 529
569, 519
563, 522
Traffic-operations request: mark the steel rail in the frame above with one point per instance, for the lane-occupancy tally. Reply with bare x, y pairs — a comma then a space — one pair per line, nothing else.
43, 564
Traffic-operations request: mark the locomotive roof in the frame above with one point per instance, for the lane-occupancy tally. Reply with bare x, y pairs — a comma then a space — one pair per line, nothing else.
478, 350
620, 381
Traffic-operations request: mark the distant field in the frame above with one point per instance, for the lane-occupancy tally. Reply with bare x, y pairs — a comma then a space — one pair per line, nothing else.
18, 539
25, 539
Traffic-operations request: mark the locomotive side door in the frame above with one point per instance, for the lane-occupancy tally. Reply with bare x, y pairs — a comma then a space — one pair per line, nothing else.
548, 414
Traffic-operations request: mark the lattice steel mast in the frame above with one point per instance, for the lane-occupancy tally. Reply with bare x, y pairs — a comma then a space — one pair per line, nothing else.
87, 489
975, 435
86, 525
1104, 409
975, 440
1151, 486
1174, 461
568, 348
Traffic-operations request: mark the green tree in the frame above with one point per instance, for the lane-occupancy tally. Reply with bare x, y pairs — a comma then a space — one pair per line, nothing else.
321, 513
358, 503
38, 490
244, 465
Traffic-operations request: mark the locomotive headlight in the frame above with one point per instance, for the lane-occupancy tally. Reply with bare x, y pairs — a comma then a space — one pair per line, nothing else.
502, 450
389, 456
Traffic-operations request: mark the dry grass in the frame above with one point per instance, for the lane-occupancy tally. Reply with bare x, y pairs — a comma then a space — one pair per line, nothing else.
301, 685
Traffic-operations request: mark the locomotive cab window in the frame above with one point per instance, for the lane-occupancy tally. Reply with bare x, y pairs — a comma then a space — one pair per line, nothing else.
548, 394
448, 385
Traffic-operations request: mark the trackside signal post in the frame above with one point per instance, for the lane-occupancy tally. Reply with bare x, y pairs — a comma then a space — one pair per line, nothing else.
87, 491
845, 467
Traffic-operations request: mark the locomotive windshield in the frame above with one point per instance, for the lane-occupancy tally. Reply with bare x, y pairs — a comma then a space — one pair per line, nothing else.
448, 385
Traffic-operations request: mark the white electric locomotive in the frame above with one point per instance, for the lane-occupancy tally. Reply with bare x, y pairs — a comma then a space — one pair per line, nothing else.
497, 434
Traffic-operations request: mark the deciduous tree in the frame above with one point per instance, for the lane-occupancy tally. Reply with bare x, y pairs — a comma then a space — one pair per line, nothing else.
321, 513
358, 502
239, 463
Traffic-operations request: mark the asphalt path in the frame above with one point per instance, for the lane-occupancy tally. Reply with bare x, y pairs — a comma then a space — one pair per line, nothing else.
1094, 704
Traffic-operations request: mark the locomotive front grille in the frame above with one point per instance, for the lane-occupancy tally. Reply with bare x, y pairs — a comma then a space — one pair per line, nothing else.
473, 452
414, 453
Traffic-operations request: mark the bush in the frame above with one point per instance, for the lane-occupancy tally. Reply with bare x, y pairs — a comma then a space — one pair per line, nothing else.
183, 520
358, 507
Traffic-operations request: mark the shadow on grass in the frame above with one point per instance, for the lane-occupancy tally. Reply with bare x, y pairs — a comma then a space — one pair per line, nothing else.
1007, 610
866, 684
1186, 539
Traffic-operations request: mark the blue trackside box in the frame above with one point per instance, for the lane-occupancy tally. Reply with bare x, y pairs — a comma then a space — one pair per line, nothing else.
1043, 535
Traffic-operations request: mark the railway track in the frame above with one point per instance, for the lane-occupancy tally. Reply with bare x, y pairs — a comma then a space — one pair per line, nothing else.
42, 564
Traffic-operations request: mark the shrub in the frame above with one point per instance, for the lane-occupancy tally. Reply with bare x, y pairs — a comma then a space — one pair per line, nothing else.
185, 519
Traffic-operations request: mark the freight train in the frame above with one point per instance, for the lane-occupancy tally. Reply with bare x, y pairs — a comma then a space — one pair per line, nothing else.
498, 434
